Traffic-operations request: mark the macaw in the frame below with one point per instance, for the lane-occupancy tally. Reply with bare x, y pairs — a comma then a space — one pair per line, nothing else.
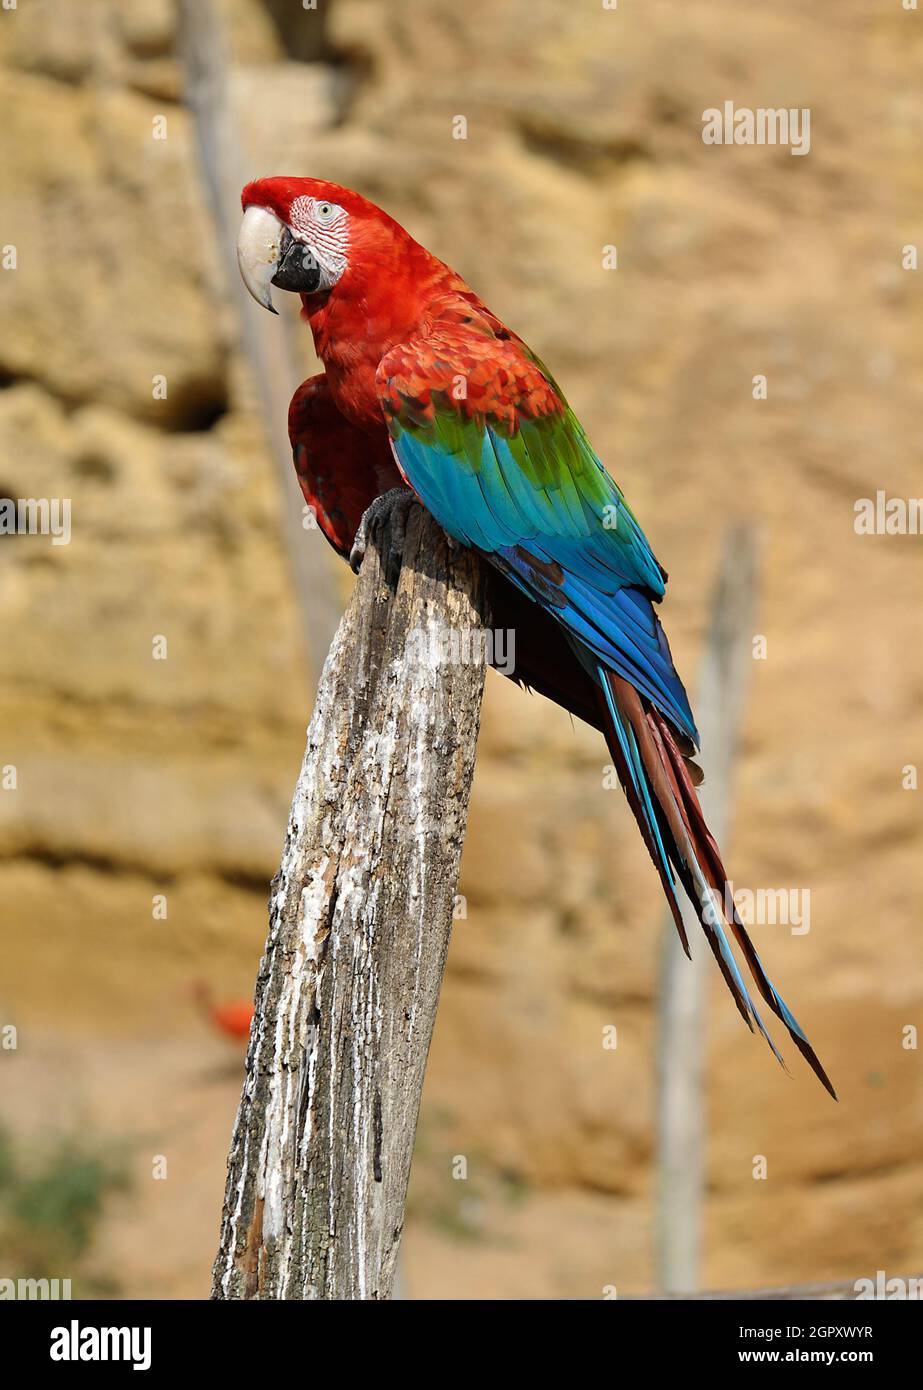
427, 395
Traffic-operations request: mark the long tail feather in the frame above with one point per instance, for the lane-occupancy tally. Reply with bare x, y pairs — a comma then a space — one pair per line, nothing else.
659, 781
616, 739
719, 877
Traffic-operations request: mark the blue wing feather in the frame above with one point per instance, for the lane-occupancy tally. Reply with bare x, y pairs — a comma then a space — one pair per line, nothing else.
497, 509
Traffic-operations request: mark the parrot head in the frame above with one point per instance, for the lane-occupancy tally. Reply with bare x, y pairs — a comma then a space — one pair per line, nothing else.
302, 234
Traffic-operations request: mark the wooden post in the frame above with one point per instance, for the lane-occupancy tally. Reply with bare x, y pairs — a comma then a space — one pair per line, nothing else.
680, 1110
223, 169
360, 917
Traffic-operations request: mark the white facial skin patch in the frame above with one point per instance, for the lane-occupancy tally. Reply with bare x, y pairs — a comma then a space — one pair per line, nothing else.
324, 227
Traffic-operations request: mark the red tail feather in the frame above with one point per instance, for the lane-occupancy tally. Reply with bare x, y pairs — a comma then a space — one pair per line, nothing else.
672, 777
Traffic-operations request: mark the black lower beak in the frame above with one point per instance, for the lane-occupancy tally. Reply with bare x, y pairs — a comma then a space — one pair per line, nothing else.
298, 270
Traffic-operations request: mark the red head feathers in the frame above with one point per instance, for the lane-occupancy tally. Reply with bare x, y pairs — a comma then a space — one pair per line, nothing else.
365, 284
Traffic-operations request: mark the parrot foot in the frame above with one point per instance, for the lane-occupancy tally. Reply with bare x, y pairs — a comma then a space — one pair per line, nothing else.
389, 511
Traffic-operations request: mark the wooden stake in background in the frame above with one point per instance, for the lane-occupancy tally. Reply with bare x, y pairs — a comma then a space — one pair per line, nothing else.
360, 918
680, 1099
224, 171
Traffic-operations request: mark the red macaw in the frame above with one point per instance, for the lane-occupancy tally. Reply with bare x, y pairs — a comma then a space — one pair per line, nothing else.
426, 393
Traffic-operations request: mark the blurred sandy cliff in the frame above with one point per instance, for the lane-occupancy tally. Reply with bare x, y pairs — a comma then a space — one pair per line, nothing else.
143, 781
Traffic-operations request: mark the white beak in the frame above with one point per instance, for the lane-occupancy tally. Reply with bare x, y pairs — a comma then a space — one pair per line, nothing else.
259, 251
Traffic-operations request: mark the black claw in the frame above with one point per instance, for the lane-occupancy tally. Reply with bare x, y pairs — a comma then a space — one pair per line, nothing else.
383, 519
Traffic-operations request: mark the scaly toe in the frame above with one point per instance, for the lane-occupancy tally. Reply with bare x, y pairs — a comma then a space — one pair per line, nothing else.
389, 511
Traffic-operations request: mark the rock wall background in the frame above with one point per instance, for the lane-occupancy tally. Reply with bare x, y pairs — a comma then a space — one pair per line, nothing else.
138, 777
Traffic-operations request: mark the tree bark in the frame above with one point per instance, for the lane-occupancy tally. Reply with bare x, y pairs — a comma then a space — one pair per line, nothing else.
360, 918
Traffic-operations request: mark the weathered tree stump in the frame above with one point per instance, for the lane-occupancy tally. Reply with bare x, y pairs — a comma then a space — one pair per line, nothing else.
360, 918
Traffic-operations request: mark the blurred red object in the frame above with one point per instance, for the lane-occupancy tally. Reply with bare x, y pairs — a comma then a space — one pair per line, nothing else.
232, 1017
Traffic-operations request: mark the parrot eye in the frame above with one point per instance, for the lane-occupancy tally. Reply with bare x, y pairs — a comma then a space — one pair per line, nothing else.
326, 211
